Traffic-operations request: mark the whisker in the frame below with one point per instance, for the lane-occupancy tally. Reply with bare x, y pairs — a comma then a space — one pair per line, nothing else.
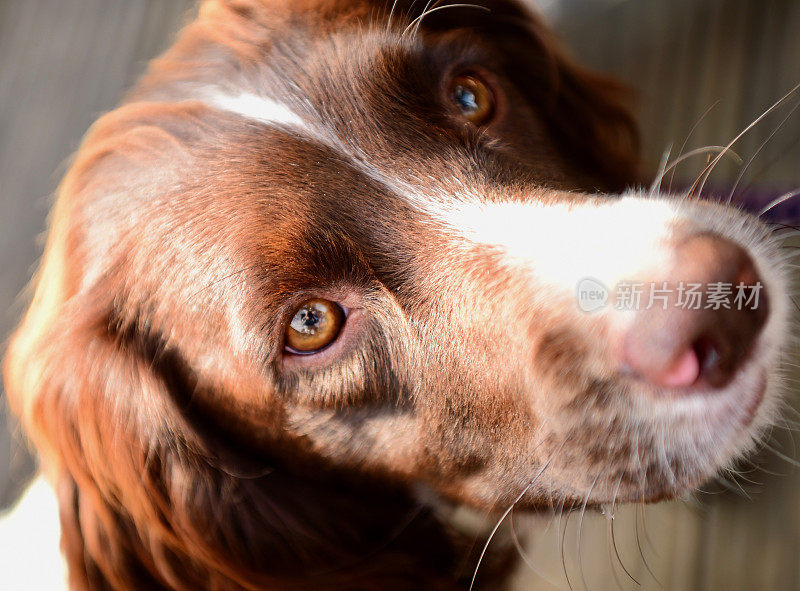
761, 468
640, 505
422, 15
647, 537
563, 554
782, 199
418, 20
662, 167
508, 511
391, 15
613, 537
758, 151
784, 149
737, 490
781, 455
580, 527
708, 169
788, 408
741, 474
611, 549
683, 145
708, 492
789, 426
791, 431
704, 150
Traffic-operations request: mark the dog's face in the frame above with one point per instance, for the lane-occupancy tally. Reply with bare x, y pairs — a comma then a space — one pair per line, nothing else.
355, 242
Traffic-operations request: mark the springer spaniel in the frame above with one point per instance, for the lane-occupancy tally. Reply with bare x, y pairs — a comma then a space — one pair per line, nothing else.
318, 273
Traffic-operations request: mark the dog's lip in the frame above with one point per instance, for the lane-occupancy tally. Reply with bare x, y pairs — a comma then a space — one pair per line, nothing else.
751, 409
734, 406
719, 419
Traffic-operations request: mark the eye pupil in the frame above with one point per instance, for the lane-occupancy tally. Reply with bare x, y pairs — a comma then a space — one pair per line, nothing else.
466, 99
314, 326
473, 98
308, 318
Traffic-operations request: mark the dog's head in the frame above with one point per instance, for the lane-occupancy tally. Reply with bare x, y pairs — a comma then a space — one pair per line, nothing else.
347, 237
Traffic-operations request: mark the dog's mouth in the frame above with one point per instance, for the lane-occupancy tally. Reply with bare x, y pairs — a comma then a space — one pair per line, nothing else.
733, 406
691, 437
665, 444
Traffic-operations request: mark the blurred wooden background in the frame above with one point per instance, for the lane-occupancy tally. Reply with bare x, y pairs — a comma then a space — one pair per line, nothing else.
63, 62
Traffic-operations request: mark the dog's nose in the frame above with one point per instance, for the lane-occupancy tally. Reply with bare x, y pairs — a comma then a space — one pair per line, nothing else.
677, 343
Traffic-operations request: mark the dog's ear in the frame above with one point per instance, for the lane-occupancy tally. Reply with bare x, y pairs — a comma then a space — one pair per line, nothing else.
586, 113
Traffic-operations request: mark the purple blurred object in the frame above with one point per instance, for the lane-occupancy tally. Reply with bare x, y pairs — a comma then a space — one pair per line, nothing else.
757, 199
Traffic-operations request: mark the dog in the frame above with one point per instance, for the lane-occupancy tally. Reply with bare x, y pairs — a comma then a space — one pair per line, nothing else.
326, 267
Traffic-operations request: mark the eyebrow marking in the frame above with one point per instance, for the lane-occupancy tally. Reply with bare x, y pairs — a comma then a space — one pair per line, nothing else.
276, 114
258, 108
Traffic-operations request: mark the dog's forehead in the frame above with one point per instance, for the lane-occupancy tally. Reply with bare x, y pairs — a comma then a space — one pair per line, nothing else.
347, 65
374, 104
363, 85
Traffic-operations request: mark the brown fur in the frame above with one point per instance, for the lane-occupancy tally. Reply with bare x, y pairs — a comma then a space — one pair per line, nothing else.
148, 369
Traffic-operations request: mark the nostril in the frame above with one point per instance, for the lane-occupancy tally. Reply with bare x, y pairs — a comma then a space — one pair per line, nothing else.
707, 353
706, 346
710, 361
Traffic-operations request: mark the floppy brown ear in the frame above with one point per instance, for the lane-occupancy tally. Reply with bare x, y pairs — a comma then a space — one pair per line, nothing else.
586, 113
589, 118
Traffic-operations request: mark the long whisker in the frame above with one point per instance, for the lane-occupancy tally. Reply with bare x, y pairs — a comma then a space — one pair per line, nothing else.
758, 151
636, 509
763, 469
508, 511
704, 150
418, 20
741, 474
611, 550
662, 167
646, 532
580, 526
391, 15
708, 170
738, 490
782, 456
781, 152
783, 198
690, 134
564, 554
422, 15
613, 537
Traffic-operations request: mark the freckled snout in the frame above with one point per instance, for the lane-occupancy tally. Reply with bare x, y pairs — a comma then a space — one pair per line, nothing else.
674, 341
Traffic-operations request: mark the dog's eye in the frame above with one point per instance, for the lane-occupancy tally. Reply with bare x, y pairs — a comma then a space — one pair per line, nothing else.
314, 326
473, 97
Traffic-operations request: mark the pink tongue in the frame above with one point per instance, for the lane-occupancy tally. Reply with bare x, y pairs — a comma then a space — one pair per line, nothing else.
684, 372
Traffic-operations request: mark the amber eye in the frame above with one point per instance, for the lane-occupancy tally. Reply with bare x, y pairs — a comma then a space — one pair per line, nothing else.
473, 98
314, 326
